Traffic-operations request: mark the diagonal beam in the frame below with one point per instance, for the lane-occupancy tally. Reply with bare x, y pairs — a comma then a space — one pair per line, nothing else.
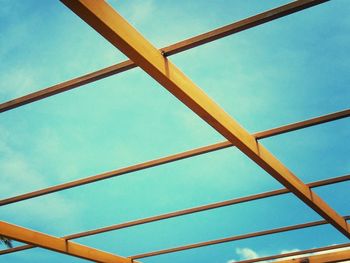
176, 157
176, 48
58, 244
106, 21
188, 211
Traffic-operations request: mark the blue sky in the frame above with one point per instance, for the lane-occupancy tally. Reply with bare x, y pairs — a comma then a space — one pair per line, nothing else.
288, 70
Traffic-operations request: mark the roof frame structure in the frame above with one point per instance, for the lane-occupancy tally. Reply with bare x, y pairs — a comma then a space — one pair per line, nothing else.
103, 18
108, 23
202, 208
295, 255
58, 244
173, 49
175, 157
337, 256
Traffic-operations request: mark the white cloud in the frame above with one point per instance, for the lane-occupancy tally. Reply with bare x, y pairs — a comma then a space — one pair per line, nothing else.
140, 10
246, 253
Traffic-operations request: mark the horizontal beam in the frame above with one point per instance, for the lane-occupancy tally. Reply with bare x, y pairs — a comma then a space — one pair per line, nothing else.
207, 207
58, 244
242, 25
296, 253
176, 157
339, 256
331, 256
232, 238
114, 28
178, 47
188, 211
303, 124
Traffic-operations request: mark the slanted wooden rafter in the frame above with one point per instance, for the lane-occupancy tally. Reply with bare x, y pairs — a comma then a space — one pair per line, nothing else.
106, 21
116, 30
58, 244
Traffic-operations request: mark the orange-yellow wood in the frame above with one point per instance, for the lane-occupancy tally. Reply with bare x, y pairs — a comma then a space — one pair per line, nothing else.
335, 256
105, 20
229, 239
58, 244
197, 209
298, 254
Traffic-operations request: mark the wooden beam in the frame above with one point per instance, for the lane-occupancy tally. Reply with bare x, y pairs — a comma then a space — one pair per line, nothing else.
106, 21
297, 253
302, 124
242, 25
231, 239
206, 207
58, 244
331, 256
176, 157
187, 211
178, 47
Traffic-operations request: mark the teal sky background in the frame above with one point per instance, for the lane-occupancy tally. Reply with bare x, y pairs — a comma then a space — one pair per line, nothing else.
288, 70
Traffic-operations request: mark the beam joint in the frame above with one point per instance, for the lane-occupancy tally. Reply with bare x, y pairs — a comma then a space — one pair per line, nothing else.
113, 27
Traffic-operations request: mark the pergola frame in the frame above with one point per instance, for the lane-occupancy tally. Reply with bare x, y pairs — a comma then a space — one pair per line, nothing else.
106, 21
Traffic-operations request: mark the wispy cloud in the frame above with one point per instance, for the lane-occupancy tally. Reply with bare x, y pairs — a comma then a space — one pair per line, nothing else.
137, 11
245, 253
17, 82
19, 175
141, 10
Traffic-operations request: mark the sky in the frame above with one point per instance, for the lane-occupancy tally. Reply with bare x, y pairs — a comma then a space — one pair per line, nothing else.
288, 70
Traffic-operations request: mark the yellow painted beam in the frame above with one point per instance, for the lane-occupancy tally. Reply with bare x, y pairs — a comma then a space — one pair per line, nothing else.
58, 244
335, 256
105, 20
198, 209
298, 254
